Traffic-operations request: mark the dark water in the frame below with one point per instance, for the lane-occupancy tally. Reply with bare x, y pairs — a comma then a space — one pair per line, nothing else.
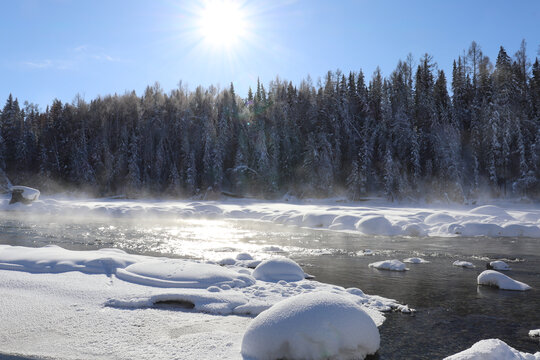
452, 311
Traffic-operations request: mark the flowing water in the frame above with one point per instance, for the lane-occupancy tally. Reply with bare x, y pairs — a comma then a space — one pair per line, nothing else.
452, 311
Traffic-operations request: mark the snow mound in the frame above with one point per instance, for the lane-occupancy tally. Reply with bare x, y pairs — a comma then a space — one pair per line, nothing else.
211, 301
481, 229
499, 265
318, 220
492, 349
534, 333
415, 260
177, 273
438, 218
273, 270
515, 230
496, 279
414, 230
311, 326
394, 265
54, 259
244, 256
464, 264
377, 225
491, 210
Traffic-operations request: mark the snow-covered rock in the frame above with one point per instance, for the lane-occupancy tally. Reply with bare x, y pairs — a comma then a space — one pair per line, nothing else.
499, 265
496, 279
276, 269
393, 265
415, 260
534, 333
311, 326
492, 349
244, 256
464, 264
377, 225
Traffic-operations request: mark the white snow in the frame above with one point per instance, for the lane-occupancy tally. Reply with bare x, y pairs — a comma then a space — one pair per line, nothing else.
415, 260
52, 295
534, 333
499, 265
492, 349
464, 264
311, 326
373, 217
496, 279
178, 273
277, 269
394, 265
377, 225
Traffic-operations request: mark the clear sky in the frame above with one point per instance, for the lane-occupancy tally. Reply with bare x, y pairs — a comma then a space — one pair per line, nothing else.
60, 48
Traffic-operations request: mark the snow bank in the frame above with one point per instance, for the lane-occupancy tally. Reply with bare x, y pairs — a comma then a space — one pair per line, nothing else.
394, 265
311, 326
464, 264
204, 287
374, 217
534, 333
415, 260
492, 349
499, 265
54, 259
496, 279
277, 269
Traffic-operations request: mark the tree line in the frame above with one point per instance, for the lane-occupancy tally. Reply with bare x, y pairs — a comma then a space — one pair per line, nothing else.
405, 136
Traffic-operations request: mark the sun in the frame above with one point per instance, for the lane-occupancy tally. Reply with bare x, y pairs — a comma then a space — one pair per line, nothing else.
222, 23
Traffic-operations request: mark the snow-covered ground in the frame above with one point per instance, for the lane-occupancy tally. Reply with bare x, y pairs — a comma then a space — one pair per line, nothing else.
109, 304
374, 217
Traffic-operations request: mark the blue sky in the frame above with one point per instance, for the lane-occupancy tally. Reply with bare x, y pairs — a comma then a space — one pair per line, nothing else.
58, 48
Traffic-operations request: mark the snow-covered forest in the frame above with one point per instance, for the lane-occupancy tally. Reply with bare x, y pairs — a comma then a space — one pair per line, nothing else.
408, 135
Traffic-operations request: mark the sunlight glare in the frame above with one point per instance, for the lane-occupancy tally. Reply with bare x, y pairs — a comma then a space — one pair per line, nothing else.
222, 23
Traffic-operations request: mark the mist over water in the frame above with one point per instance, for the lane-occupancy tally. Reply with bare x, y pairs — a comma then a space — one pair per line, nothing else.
452, 311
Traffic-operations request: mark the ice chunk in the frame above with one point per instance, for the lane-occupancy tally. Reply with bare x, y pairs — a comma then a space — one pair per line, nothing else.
394, 265
492, 349
464, 264
311, 326
499, 265
276, 269
496, 279
177, 273
416, 260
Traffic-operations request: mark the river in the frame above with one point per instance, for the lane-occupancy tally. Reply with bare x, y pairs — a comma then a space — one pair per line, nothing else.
452, 311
